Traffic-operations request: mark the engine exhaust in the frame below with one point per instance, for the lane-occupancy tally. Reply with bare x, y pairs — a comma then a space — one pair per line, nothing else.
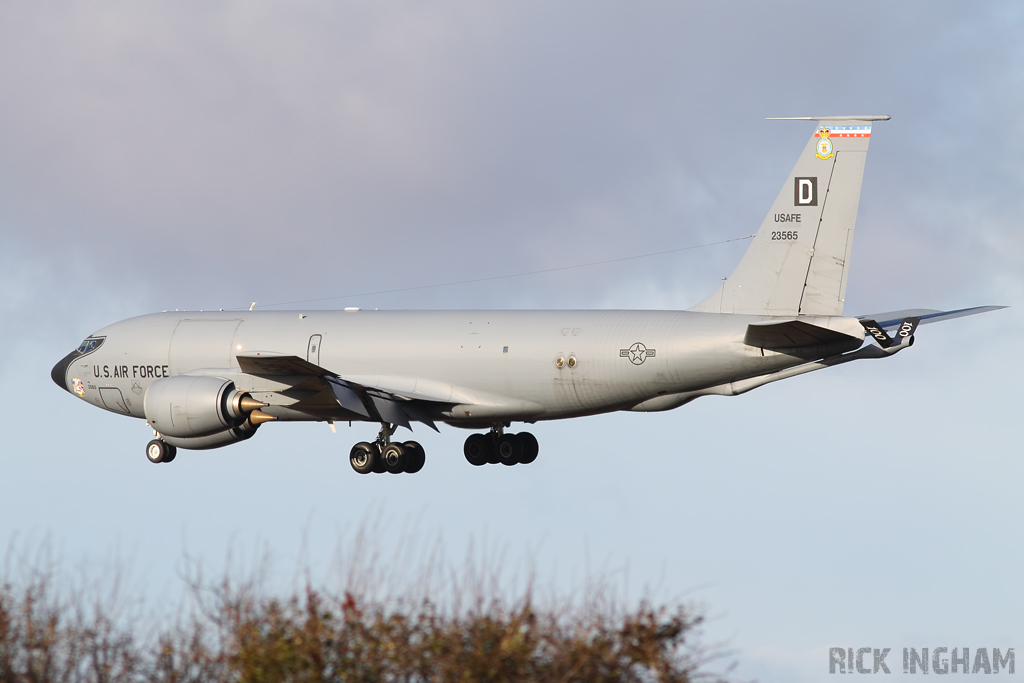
242, 404
257, 417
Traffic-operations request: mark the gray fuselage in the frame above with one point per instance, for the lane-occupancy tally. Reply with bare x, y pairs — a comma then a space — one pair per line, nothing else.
511, 365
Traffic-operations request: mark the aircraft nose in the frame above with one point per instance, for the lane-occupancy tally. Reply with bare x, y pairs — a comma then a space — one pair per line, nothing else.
59, 374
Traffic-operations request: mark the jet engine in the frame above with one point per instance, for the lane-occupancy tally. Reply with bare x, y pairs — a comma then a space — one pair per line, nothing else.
190, 406
225, 438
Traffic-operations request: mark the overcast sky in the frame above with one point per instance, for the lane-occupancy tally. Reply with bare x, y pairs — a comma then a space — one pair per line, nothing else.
204, 155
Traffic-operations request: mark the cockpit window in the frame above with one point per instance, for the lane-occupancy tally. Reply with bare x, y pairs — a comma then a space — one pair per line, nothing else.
90, 345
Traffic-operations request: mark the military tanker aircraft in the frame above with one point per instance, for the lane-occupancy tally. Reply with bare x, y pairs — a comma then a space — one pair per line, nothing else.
210, 379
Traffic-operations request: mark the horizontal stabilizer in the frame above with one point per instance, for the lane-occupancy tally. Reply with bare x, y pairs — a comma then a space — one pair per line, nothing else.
832, 119
794, 333
891, 319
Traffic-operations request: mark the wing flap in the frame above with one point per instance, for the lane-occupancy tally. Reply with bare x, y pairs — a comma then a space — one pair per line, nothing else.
390, 410
347, 397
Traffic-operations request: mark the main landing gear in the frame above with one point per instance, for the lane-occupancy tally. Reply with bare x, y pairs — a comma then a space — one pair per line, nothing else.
497, 446
160, 451
385, 455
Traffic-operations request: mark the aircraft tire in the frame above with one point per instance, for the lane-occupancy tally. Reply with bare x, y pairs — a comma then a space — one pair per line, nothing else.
172, 452
530, 447
478, 449
509, 449
415, 457
378, 463
393, 457
363, 457
156, 451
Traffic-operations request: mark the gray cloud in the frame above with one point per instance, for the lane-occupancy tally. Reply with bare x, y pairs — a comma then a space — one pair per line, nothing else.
326, 147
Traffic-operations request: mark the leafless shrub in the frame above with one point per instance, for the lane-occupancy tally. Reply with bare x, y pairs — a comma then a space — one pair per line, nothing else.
436, 624
56, 628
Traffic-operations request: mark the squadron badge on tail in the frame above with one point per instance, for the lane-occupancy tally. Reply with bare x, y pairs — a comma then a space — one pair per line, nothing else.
824, 144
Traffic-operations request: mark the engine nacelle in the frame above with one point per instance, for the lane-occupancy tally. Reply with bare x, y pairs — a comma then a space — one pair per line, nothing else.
225, 438
189, 406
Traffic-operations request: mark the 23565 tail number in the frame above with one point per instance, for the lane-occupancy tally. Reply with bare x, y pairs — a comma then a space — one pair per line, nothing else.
784, 235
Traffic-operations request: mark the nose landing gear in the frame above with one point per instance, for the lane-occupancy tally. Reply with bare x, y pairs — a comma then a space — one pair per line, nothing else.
385, 455
497, 446
158, 451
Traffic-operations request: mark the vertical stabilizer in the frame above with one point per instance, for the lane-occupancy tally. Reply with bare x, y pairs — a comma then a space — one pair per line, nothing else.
798, 262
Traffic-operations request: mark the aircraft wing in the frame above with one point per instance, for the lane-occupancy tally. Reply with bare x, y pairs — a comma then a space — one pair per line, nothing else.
270, 364
394, 399
891, 319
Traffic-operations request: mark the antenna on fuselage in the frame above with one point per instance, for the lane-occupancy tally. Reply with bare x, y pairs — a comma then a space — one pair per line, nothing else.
252, 306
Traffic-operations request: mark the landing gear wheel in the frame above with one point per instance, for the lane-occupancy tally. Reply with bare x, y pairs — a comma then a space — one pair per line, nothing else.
378, 461
157, 450
415, 457
509, 449
393, 457
363, 457
172, 453
492, 448
530, 447
478, 449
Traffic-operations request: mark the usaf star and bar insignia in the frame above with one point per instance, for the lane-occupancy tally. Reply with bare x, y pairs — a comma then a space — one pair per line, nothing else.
637, 353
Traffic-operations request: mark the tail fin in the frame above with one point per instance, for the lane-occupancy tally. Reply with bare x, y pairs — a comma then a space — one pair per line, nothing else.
799, 260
